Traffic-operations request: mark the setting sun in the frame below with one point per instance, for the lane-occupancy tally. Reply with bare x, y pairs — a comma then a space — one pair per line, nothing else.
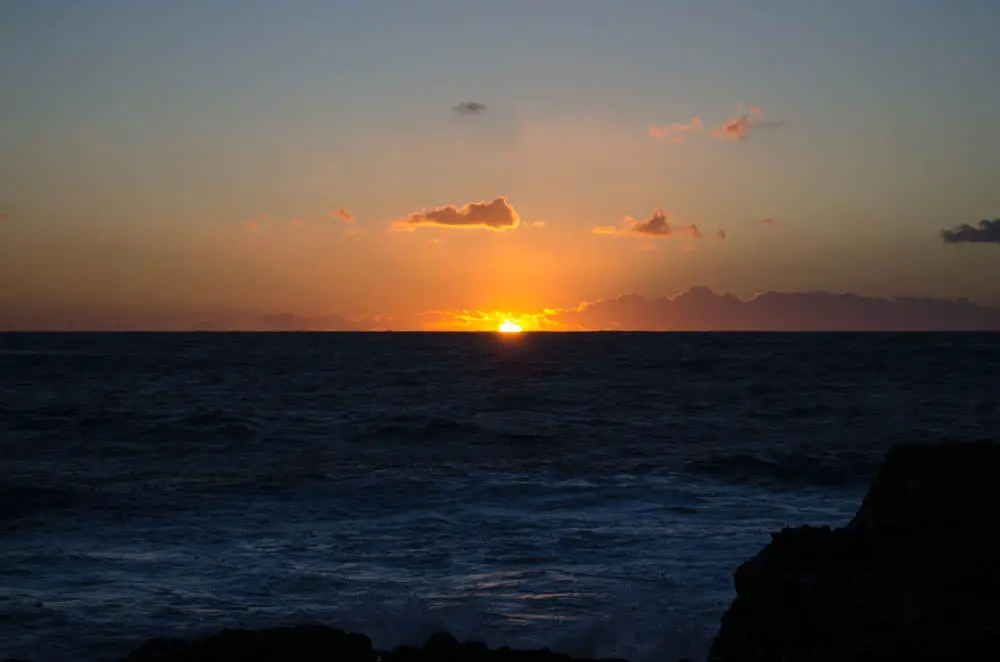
509, 327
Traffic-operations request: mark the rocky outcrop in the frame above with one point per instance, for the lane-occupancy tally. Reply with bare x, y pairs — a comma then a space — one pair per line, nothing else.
914, 576
318, 643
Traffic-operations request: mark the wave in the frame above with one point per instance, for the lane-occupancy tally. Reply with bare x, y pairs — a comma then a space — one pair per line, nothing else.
847, 469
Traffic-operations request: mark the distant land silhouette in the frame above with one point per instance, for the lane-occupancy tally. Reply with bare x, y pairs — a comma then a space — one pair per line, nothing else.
698, 309
701, 309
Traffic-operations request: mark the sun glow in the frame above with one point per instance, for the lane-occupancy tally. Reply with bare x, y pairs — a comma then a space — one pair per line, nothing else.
509, 327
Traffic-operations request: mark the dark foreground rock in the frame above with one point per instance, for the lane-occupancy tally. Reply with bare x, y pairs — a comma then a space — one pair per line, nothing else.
914, 576
318, 643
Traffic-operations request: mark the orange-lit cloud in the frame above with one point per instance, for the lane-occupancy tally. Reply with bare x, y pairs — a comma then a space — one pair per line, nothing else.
497, 214
478, 320
738, 128
657, 226
343, 215
665, 130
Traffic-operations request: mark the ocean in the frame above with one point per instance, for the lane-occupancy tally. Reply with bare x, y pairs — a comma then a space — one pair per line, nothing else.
590, 492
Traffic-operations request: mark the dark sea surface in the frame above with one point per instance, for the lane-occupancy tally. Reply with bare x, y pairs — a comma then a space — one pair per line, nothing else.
588, 492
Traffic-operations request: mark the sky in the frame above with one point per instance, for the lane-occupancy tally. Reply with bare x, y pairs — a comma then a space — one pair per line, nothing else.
410, 160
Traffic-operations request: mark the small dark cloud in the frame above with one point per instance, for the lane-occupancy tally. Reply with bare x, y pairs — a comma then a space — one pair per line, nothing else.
987, 232
738, 128
654, 226
469, 108
722, 234
343, 215
497, 214
657, 226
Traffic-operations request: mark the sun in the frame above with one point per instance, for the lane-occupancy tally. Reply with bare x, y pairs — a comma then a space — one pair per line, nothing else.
509, 327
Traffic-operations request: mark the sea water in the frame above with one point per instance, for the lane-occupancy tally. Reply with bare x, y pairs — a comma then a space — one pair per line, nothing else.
592, 493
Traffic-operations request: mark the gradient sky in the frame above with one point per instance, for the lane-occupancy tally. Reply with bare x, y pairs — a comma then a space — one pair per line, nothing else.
186, 154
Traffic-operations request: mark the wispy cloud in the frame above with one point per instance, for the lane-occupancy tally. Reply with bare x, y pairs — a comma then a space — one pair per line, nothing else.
497, 214
658, 226
343, 215
676, 130
469, 108
739, 127
987, 232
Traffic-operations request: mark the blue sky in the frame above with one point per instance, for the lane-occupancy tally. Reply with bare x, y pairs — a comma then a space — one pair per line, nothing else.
138, 141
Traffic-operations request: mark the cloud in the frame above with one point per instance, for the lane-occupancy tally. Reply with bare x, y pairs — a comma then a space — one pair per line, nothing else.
702, 309
478, 320
738, 128
771, 221
988, 232
735, 128
721, 234
657, 226
343, 215
469, 108
672, 130
497, 214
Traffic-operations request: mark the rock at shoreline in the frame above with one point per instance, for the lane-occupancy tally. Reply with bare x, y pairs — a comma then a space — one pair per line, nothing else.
914, 576
318, 643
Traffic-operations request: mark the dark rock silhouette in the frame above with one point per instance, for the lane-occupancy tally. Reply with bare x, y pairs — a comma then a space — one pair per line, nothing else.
914, 576
318, 643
